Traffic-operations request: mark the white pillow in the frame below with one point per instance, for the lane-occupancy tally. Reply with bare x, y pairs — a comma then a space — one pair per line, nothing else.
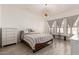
26, 31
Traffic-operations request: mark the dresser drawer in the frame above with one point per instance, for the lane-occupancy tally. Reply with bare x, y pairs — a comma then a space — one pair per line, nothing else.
4, 39
11, 41
11, 34
4, 43
10, 29
4, 34
11, 38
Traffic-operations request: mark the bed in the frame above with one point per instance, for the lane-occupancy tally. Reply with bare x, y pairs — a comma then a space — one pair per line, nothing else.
36, 41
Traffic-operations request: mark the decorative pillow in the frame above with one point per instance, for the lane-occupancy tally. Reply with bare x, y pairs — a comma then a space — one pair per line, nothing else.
26, 31
30, 30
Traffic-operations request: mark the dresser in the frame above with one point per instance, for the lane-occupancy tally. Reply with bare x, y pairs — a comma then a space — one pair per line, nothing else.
8, 36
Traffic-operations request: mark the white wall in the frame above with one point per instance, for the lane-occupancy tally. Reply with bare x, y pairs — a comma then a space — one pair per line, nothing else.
0, 14
46, 27
18, 18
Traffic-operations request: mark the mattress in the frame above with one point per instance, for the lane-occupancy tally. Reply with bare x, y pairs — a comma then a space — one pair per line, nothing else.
33, 39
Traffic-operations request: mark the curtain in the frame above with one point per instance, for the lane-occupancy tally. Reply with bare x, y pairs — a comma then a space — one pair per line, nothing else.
59, 22
50, 22
55, 27
71, 20
77, 24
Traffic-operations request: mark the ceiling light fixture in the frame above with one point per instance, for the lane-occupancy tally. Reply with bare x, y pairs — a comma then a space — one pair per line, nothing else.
45, 13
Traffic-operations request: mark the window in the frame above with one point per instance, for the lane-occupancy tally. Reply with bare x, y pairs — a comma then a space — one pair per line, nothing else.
58, 30
61, 30
74, 30
68, 30
52, 30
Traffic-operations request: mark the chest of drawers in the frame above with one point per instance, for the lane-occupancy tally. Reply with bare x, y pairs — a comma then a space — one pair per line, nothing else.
8, 36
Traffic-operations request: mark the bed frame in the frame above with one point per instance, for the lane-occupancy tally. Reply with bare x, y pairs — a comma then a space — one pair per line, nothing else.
38, 46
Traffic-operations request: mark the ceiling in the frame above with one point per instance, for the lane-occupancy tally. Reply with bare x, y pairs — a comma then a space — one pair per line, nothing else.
53, 9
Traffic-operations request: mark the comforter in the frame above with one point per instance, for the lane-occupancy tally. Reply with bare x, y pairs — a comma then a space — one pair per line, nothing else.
33, 39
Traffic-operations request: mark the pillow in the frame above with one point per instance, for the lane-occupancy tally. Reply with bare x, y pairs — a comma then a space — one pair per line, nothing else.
30, 30
26, 31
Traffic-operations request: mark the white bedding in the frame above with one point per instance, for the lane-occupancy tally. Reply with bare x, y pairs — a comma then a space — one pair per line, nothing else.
32, 39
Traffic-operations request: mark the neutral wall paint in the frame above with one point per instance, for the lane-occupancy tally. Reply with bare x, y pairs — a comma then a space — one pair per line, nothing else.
18, 18
0, 14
